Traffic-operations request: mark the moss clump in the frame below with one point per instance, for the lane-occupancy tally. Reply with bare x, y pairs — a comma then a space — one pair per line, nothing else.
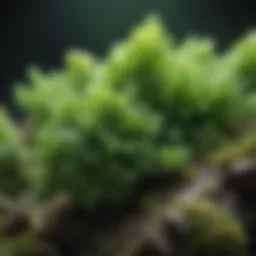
24, 244
147, 109
213, 231
20, 245
240, 149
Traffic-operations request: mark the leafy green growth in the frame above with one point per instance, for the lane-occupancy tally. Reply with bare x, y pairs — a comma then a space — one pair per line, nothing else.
11, 159
148, 108
242, 59
213, 231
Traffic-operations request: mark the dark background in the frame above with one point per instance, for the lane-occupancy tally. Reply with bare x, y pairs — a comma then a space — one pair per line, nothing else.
38, 32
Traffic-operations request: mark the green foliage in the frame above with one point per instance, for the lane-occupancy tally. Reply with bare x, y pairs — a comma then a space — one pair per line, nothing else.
80, 68
213, 231
242, 59
11, 158
148, 108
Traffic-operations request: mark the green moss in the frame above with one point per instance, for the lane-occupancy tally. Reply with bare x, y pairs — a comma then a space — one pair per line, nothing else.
240, 149
213, 231
24, 244
80, 67
20, 245
149, 108
11, 157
